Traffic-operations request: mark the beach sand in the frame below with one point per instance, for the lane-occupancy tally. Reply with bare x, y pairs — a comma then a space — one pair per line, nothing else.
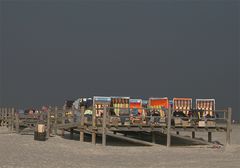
21, 151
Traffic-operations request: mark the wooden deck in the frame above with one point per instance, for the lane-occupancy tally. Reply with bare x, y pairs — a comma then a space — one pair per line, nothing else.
57, 119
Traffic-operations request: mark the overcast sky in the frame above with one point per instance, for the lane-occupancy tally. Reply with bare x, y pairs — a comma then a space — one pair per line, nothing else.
56, 50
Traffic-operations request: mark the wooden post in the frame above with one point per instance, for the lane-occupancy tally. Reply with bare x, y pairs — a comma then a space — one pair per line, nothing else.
0, 117
9, 112
153, 137
229, 120
72, 117
6, 117
82, 125
224, 114
3, 116
71, 133
104, 126
193, 134
48, 123
94, 125
51, 120
63, 119
209, 136
169, 127
12, 119
55, 120
17, 122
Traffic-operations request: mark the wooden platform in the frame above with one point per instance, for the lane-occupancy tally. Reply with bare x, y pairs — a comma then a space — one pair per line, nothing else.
65, 119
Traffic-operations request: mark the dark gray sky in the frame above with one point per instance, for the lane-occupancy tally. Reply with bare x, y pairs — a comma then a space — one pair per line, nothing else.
57, 50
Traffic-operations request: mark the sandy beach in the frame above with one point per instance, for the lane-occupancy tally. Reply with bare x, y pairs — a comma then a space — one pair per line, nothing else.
21, 151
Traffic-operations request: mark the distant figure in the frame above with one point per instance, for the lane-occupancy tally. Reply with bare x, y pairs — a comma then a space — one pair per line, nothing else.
135, 111
44, 108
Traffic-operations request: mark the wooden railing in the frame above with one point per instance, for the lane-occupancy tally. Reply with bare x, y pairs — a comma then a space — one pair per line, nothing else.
69, 119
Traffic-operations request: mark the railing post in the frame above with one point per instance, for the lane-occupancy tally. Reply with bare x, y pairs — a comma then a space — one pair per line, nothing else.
0, 116
5, 117
12, 119
72, 121
104, 126
9, 112
229, 120
17, 122
48, 123
55, 120
82, 124
63, 119
9, 120
94, 126
169, 127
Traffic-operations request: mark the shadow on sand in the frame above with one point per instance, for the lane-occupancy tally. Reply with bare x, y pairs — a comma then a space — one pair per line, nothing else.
160, 139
